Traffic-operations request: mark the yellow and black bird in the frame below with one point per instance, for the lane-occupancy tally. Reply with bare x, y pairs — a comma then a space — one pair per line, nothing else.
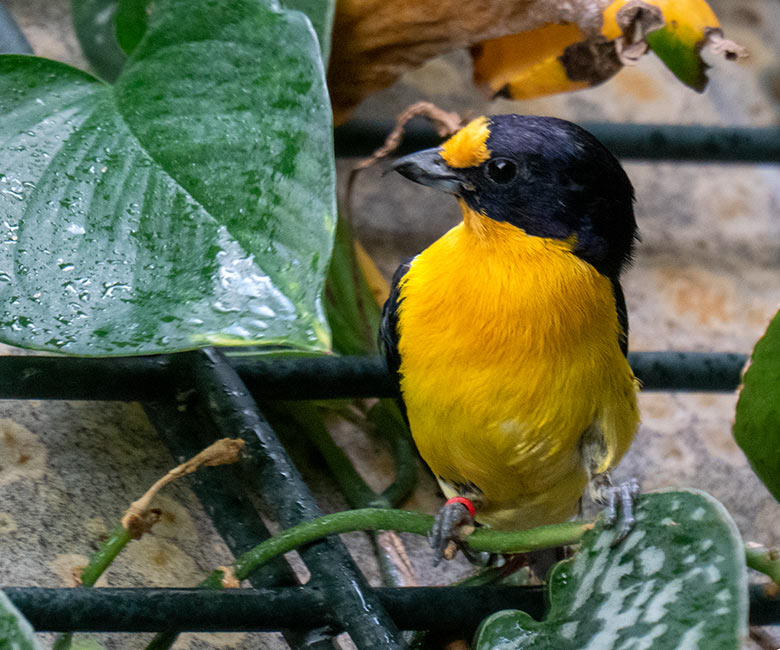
509, 333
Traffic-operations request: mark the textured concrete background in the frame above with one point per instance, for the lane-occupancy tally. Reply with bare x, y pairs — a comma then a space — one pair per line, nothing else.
705, 278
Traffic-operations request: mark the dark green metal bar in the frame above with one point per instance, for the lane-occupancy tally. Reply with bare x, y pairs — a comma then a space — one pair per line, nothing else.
221, 491
148, 379
269, 470
159, 610
446, 609
71, 378
326, 377
340, 377
701, 144
688, 371
764, 609
263, 610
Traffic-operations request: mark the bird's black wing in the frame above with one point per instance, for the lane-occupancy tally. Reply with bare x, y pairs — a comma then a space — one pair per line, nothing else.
622, 314
388, 329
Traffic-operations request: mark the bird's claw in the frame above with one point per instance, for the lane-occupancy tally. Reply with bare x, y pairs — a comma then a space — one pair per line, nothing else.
618, 501
447, 528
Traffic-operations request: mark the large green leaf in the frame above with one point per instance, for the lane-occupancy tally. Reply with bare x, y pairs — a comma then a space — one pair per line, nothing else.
677, 581
757, 421
192, 203
15, 631
110, 29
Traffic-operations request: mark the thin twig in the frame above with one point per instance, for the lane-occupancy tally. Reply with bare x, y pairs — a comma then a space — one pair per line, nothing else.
139, 518
445, 123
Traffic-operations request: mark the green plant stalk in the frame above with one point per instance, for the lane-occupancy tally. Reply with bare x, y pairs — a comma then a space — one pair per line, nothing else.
63, 641
352, 311
759, 558
351, 484
163, 641
523, 541
391, 427
763, 559
105, 555
398, 521
98, 563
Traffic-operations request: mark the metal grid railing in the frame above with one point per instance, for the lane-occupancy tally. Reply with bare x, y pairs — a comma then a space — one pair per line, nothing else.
183, 392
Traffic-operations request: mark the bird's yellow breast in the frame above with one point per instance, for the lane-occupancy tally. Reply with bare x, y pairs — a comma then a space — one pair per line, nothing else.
509, 353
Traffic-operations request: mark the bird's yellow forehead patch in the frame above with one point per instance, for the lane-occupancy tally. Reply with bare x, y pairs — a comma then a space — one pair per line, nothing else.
468, 147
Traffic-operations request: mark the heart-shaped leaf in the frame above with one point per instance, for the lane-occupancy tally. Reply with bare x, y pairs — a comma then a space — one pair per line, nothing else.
15, 632
109, 30
190, 204
757, 421
677, 581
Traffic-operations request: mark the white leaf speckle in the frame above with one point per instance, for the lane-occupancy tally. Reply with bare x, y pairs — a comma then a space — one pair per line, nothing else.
652, 560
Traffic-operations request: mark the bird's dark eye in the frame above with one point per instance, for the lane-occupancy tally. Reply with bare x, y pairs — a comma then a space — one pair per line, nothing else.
501, 170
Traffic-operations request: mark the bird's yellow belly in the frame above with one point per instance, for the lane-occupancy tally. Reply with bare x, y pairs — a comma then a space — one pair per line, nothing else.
504, 368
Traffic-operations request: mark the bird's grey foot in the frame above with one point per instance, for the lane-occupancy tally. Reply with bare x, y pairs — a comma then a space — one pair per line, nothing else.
618, 501
454, 521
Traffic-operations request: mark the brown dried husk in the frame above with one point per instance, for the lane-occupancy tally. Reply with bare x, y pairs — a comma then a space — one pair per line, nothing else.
375, 41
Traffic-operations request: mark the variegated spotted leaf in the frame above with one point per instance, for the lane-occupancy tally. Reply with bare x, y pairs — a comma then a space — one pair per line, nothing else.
678, 581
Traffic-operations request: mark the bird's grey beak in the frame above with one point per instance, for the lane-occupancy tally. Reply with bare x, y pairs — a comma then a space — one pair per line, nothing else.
427, 167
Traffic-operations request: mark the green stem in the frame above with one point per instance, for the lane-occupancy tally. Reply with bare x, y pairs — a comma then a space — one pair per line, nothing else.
351, 484
63, 641
163, 641
523, 541
98, 563
765, 560
105, 555
399, 521
390, 426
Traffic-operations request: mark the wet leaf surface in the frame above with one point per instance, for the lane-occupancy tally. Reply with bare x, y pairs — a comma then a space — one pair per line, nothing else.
190, 204
109, 30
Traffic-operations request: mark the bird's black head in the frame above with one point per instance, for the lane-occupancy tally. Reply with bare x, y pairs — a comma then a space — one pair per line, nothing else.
544, 175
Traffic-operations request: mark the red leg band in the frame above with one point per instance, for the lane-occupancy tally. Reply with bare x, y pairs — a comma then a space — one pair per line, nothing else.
466, 502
